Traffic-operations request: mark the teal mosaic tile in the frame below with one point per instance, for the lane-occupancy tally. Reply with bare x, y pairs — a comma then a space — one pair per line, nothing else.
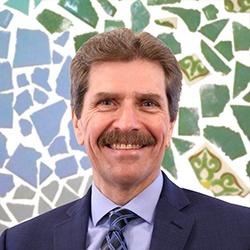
241, 36
168, 162
182, 145
108, 7
159, 2
113, 24
171, 42
81, 39
22, 6
210, 12
226, 49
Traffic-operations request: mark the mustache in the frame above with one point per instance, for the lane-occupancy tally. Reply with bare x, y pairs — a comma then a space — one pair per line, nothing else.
132, 137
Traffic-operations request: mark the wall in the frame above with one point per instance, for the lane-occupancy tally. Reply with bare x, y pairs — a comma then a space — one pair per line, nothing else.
41, 165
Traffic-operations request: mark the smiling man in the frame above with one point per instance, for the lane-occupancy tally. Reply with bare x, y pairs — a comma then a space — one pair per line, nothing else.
125, 90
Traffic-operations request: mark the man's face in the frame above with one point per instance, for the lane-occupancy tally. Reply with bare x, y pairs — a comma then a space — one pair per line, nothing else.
125, 124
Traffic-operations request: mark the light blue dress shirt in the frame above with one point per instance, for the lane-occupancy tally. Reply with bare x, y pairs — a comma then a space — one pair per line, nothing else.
139, 231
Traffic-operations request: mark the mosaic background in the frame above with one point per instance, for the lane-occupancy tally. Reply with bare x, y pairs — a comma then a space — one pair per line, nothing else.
41, 165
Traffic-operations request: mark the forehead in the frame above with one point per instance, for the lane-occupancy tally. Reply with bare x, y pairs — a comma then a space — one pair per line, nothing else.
133, 76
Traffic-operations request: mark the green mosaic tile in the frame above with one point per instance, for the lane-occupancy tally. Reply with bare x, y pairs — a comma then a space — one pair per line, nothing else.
226, 49
241, 37
237, 5
81, 39
158, 2
210, 12
241, 78
168, 162
113, 24
182, 146
213, 99
193, 68
248, 169
190, 17
82, 9
171, 42
210, 172
213, 59
242, 114
22, 6
212, 30
247, 97
228, 140
170, 22
37, 2
108, 7
53, 22
188, 121
139, 16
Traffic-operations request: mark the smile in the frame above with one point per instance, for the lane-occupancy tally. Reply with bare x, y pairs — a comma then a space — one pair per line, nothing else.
125, 146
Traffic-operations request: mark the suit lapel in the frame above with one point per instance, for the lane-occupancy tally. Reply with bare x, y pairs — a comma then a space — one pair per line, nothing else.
172, 226
72, 232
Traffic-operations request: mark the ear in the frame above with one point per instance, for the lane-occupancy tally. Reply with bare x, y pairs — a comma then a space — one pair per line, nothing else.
78, 128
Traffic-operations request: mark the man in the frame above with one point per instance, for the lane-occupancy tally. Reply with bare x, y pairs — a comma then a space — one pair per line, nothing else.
125, 89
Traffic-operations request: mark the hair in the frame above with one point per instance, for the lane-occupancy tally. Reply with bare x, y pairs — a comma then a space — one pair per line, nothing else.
124, 45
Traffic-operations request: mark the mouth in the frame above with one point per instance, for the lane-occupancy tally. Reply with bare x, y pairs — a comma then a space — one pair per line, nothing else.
125, 146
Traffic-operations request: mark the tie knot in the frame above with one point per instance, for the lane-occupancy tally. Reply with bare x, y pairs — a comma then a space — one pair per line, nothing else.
119, 218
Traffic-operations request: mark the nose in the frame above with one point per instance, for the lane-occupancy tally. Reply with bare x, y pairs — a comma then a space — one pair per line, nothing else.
127, 119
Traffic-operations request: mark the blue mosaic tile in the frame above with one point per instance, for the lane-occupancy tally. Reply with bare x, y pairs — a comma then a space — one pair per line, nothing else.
7, 184
66, 167
37, 2
23, 164
32, 48
62, 39
6, 110
40, 77
45, 172
25, 126
47, 121
58, 146
5, 18
22, 80
4, 41
6, 76
63, 80
72, 141
40, 97
23, 102
85, 162
3, 151
56, 58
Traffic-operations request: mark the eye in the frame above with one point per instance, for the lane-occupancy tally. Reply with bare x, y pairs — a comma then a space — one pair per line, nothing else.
106, 102
149, 103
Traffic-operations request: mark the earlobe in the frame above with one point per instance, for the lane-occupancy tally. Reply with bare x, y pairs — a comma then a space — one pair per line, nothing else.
78, 129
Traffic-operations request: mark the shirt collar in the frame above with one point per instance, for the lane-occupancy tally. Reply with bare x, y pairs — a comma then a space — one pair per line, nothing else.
101, 205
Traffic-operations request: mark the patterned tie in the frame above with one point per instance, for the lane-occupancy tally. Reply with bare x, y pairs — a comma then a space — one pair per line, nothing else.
118, 220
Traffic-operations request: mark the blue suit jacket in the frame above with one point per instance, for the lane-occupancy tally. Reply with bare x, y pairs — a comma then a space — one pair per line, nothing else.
184, 220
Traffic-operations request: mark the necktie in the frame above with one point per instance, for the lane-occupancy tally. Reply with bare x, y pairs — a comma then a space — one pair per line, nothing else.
118, 220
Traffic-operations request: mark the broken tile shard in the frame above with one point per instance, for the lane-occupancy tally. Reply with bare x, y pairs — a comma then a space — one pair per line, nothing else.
6, 110
3, 215
139, 16
23, 102
23, 163
4, 41
81, 39
63, 80
3, 149
226, 49
242, 114
39, 96
241, 36
20, 211
170, 22
56, 57
40, 77
188, 121
171, 42
66, 197
6, 76
113, 24
22, 6
24, 192
44, 173
5, 18
181, 145
85, 163
210, 12
43, 206
50, 190
213, 99
22, 80
237, 6
7, 184
47, 121
223, 138
212, 30
108, 7
213, 59
32, 48
58, 146
247, 97
62, 39
66, 167
53, 22
248, 169
241, 78
25, 127
190, 17
72, 139
82, 9
168, 162
75, 183
159, 2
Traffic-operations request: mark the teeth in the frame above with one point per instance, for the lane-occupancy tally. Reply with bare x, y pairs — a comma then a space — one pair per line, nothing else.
125, 146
